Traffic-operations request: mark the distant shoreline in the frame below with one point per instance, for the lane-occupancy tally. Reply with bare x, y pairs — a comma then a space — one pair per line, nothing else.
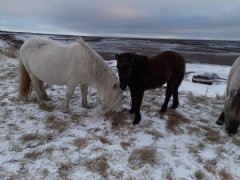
219, 52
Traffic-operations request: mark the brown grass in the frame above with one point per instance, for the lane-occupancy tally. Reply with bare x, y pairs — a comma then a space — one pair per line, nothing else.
48, 151
224, 174
56, 124
35, 137
10, 51
64, 169
156, 134
192, 130
33, 155
140, 157
125, 145
104, 140
210, 166
98, 165
236, 142
199, 175
80, 143
117, 119
174, 120
213, 136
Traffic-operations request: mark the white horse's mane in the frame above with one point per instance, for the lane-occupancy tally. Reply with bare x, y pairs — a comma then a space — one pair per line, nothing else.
233, 90
102, 75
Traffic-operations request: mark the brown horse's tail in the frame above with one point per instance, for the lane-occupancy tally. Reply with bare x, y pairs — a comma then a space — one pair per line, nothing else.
24, 83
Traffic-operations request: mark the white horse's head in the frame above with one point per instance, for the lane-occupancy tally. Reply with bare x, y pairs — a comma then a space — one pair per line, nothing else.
113, 97
231, 112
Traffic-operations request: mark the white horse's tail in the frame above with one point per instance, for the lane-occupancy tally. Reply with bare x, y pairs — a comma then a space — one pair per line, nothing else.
24, 83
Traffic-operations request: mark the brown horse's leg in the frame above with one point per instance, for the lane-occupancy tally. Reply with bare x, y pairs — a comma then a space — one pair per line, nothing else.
133, 105
175, 99
221, 119
175, 92
137, 99
169, 92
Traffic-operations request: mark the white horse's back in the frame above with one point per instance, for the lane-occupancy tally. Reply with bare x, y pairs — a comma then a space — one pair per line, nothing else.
50, 61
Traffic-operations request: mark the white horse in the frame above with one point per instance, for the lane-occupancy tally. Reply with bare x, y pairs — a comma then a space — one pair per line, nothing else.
45, 60
231, 113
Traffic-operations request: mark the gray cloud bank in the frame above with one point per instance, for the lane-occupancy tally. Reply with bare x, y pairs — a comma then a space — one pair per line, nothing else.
197, 19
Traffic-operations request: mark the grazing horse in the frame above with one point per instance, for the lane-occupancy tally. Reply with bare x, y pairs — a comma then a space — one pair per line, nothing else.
45, 60
231, 112
140, 73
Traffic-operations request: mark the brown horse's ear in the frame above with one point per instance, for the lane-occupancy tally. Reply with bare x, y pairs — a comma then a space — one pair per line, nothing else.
117, 57
145, 57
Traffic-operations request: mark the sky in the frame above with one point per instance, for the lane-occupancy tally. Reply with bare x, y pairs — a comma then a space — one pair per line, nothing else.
181, 19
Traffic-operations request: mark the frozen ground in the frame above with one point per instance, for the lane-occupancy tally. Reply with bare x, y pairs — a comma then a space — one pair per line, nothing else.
93, 144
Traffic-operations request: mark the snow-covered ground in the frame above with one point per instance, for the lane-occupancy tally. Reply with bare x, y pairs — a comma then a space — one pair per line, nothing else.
94, 144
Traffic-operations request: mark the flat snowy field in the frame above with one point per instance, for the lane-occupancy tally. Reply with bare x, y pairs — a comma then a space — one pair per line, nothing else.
93, 144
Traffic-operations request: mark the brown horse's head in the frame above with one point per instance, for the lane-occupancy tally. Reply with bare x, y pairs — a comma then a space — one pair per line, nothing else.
124, 65
232, 113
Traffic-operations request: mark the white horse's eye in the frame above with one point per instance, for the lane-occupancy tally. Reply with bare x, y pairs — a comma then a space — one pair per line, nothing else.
115, 86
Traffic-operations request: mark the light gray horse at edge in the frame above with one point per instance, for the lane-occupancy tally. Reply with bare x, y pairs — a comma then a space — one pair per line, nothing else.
231, 112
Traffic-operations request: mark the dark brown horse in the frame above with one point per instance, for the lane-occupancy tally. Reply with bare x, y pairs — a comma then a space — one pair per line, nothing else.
140, 73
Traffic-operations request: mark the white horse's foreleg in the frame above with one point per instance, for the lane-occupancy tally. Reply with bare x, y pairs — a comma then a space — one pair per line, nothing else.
69, 93
84, 91
43, 91
37, 89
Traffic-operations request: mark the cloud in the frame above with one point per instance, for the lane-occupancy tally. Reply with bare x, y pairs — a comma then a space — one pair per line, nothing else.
186, 18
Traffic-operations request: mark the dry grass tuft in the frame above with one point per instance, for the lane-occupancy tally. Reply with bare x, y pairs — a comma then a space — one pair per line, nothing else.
125, 145
236, 142
174, 120
64, 169
56, 124
192, 130
48, 151
156, 134
33, 155
35, 137
10, 51
98, 165
210, 166
213, 136
80, 143
46, 107
140, 157
104, 140
199, 175
224, 174
118, 119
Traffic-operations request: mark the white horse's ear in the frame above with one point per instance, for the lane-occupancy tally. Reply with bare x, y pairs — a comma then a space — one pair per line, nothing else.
116, 56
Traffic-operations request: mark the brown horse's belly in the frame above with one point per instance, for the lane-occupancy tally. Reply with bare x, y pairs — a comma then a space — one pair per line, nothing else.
153, 85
